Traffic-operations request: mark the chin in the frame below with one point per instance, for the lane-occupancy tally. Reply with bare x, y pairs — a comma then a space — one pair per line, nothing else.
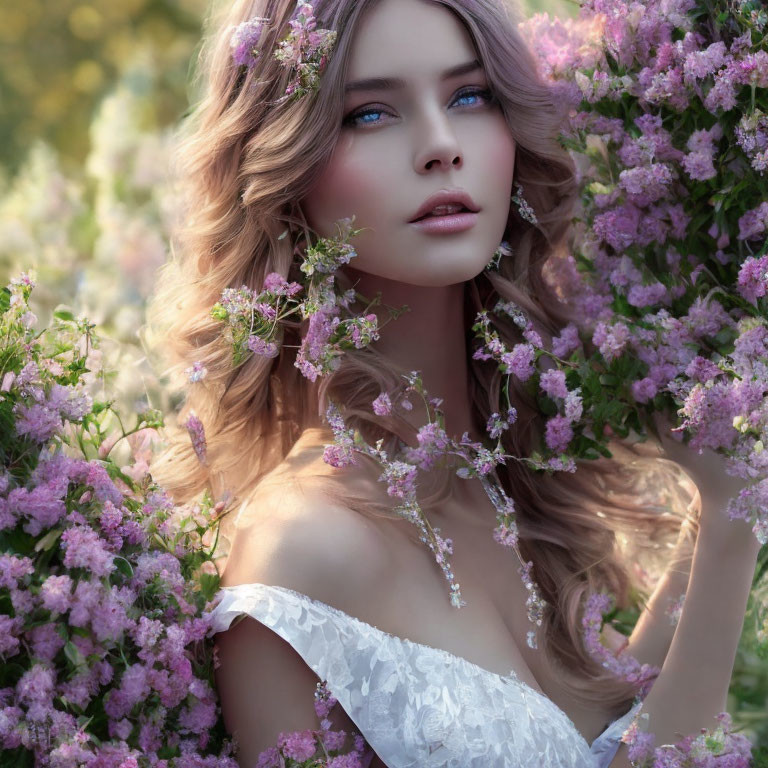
445, 273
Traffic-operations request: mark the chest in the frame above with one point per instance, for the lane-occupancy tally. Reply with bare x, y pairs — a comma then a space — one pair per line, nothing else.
491, 630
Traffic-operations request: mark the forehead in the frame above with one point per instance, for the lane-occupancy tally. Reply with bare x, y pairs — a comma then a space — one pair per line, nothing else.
407, 37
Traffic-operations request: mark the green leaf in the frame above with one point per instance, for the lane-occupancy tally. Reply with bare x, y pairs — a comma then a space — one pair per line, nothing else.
48, 540
600, 447
122, 565
63, 314
17, 541
209, 584
72, 652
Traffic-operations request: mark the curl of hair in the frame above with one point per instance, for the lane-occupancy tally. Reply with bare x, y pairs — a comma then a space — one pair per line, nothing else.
243, 164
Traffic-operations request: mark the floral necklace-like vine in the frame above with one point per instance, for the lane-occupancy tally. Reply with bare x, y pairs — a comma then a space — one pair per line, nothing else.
255, 324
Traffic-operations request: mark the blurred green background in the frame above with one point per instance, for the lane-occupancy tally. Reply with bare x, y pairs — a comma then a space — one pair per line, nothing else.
89, 93
59, 58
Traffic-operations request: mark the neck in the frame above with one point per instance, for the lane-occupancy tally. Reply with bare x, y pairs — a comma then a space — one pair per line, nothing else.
431, 339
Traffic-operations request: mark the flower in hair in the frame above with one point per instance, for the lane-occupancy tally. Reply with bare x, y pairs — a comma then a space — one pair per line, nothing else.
524, 207
197, 435
304, 51
245, 40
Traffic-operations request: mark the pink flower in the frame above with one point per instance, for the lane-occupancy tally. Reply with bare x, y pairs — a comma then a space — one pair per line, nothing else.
647, 295
345, 761
618, 227
13, 569
568, 341
56, 593
647, 183
699, 64
520, 361
197, 435
699, 166
37, 421
275, 283
244, 42
558, 433
382, 405
10, 627
269, 758
433, 441
611, 340
297, 745
338, 456
84, 548
753, 278
753, 223
400, 478
644, 390
46, 641
196, 372
497, 425
263, 348
42, 505
36, 685
573, 406
701, 369
552, 383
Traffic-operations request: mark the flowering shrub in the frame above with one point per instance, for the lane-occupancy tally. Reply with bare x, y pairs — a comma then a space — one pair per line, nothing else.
95, 236
104, 584
669, 272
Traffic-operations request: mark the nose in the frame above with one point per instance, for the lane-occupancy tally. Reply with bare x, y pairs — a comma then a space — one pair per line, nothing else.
438, 145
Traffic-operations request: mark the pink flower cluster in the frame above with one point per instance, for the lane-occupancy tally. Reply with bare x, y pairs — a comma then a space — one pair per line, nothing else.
255, 322
294, 749
709, 749
668, 277
623, 666
304, 51
103, 615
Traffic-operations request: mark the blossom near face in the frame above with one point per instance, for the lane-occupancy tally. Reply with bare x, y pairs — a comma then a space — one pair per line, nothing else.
400, 145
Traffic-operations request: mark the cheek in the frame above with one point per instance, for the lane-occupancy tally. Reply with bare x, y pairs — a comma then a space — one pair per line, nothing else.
500, 155
343, 189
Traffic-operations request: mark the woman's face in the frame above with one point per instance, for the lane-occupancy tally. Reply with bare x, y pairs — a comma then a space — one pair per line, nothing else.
400, 145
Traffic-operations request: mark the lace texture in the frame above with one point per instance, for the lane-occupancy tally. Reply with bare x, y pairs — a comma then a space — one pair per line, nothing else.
417, 705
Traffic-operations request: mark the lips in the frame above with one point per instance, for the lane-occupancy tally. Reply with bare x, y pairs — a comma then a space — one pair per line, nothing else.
458, 198
445, 210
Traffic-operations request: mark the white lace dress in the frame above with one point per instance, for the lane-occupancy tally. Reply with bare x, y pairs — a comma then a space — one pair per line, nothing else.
417, 705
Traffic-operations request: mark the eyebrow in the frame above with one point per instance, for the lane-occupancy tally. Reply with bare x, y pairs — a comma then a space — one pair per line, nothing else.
395, 83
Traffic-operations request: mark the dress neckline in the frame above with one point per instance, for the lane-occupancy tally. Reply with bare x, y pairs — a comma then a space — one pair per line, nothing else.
509, 678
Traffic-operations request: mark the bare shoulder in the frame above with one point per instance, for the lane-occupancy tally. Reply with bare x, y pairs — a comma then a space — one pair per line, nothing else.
293, 534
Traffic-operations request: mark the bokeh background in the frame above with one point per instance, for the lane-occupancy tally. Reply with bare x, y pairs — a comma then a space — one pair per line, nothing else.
90, 91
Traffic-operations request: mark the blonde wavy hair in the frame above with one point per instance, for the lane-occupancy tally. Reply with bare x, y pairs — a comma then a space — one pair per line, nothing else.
243, 164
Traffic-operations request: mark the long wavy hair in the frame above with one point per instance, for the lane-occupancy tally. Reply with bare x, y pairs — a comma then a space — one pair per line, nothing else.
243, 164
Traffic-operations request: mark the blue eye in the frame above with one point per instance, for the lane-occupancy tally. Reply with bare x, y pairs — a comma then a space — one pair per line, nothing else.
357, 118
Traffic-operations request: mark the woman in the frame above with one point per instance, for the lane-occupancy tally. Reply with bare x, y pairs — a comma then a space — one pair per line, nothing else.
417, 98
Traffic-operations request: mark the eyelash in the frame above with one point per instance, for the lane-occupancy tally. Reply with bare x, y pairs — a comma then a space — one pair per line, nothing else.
350, 119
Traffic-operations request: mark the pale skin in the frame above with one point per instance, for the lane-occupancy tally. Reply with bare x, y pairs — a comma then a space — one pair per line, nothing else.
429, 135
